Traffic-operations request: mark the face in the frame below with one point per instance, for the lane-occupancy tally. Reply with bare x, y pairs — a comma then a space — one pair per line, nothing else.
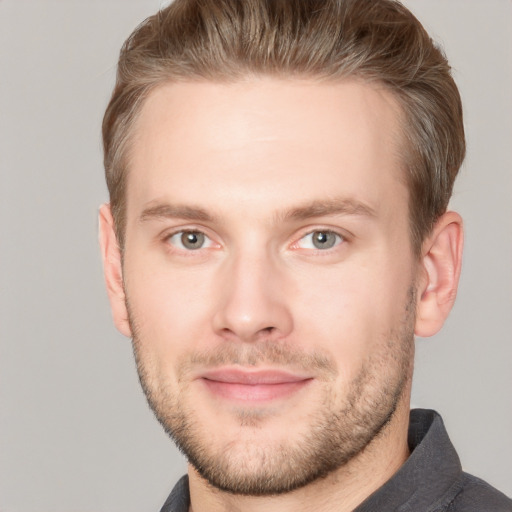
269, 275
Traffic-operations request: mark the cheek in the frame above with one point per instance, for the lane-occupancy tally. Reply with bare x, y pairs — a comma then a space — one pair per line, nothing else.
170, 308
351, 313
340, 321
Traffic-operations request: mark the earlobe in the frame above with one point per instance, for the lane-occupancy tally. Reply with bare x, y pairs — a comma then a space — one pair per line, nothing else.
112, 268
441, 265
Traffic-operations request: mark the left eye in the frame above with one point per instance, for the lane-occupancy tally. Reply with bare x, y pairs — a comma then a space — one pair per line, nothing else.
320, 240
190, 240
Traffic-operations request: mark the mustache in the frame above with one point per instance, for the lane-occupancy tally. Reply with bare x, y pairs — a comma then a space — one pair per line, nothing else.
261, 353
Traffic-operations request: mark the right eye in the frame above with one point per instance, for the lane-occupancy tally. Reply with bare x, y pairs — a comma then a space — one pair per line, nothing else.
190, 240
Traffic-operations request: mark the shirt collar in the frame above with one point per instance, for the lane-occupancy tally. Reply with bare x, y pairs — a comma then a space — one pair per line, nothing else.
431, 476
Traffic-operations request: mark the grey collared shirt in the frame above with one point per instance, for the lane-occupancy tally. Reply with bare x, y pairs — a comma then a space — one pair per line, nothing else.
431, 480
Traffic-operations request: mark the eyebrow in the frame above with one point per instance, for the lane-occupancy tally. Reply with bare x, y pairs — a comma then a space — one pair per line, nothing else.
317, 208
175, 211
327, 207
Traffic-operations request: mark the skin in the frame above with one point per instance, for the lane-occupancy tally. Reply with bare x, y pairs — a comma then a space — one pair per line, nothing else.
257, 167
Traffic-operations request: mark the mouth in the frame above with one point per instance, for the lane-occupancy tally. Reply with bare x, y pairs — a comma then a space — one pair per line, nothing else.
253, 385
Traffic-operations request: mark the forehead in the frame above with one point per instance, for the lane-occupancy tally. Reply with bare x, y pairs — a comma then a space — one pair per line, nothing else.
266, 140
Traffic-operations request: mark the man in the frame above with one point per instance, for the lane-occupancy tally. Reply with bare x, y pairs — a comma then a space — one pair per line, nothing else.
279, 173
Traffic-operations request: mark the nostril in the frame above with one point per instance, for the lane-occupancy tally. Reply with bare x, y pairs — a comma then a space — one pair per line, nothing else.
266, 333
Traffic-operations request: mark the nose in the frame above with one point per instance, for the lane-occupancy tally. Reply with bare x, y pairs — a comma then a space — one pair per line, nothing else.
253, 300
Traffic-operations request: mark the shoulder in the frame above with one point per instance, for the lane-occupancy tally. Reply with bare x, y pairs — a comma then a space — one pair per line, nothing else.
478, 496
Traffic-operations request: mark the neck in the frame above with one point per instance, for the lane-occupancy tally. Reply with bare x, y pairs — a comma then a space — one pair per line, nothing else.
341, 491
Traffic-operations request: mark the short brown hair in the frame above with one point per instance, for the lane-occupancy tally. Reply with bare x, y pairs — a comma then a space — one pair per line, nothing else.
226, 40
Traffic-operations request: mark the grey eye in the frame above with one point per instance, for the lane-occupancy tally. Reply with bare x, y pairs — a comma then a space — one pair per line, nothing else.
324, 239
320, 240
190, 240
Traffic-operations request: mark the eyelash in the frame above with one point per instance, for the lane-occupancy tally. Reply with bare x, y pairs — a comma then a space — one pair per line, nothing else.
169, 236
341, 239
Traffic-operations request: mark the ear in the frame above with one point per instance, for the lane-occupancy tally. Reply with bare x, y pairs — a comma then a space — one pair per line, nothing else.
441, 264
112, 268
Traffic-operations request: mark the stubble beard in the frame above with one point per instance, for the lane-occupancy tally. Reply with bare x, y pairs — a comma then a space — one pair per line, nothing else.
338, 430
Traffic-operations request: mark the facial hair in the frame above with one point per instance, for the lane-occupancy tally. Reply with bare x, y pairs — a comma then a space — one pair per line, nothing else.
343, 424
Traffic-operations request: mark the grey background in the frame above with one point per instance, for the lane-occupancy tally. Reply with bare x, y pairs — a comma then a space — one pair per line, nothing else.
75, 432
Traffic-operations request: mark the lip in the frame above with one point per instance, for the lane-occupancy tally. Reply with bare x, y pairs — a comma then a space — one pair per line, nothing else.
253, 385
